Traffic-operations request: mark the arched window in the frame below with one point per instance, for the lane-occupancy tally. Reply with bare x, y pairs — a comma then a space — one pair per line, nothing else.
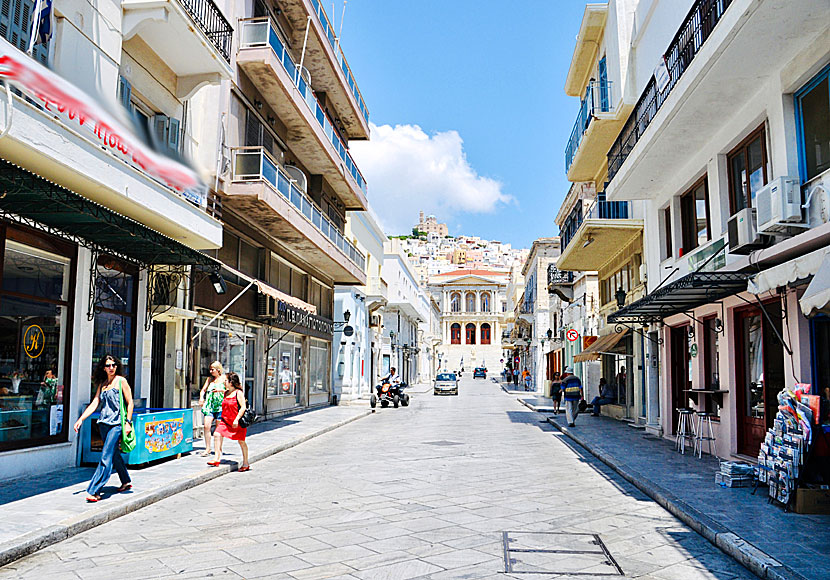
471, 302
455, 302
471, 333
455, 334
485, 302
485, 333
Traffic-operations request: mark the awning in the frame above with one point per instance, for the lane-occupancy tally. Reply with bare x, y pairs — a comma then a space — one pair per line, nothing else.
682, 295
601, 346
269, 290
816, 300
34, 201
800, 268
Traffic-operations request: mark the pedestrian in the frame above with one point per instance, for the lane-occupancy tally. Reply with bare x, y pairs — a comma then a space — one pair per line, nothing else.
233, 407
516, 376
556, 392
606, 396
526, 379
210, 397
111, 386
572, 393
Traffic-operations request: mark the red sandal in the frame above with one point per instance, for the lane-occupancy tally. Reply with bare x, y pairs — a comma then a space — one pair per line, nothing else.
213, 463
125, 487
245, 468
93, 498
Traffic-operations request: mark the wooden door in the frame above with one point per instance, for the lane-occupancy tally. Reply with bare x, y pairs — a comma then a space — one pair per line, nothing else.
680, 378
752, 408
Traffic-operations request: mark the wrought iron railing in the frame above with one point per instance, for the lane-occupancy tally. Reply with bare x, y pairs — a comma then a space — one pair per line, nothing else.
557, 277
256, 164
344, 66
693, 33
258, 32
213, 23
601, 209
597, 100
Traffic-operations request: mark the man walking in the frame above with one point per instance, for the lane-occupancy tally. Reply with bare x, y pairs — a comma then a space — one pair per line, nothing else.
572, 393
516, 376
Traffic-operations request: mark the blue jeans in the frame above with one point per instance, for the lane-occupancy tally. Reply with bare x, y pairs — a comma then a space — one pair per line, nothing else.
600, 401
110, 458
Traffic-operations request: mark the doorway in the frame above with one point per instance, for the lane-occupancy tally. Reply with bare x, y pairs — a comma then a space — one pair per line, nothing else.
760, 373
681, 378
157, 359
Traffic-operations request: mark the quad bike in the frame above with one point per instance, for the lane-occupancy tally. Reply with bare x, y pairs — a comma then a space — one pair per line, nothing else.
388, 393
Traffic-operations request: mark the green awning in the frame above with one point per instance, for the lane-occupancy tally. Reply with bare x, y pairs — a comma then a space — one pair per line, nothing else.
32, 200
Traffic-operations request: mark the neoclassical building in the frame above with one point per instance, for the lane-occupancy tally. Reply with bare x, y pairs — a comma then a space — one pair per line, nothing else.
473, 305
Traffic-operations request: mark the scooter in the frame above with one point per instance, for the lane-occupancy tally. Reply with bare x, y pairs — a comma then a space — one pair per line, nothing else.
388, 393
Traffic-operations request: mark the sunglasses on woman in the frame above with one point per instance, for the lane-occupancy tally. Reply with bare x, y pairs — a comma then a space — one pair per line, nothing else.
108, 365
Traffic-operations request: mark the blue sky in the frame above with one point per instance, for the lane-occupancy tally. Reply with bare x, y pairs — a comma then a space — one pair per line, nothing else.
493, 72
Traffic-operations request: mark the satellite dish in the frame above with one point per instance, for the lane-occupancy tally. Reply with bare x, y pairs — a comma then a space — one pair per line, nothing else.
298, 177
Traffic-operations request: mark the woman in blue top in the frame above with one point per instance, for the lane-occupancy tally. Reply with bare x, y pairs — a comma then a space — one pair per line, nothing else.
111, 384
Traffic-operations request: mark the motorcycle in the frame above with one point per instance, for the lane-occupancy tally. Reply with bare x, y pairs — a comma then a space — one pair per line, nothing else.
388, 393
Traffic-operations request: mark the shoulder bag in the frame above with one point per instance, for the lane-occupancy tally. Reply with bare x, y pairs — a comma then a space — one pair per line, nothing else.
128, 441
248, 418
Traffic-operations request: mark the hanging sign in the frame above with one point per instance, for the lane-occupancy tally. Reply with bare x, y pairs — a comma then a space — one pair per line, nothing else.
33, 341
572, 335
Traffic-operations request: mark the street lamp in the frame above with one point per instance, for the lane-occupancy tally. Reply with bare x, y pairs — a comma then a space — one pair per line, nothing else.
620, 296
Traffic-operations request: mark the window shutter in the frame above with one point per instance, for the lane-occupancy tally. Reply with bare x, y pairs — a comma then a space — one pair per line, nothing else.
160, 123
125, 90
253, 134
174, 134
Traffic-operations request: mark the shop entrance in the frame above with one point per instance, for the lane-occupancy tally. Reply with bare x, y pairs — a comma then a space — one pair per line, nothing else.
760, 373
681, 378
157, 365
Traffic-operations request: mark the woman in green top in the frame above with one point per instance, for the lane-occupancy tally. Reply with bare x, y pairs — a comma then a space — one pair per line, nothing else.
210, 398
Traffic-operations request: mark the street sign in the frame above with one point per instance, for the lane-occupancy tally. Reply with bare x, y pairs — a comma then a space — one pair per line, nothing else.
572, 335
348, 331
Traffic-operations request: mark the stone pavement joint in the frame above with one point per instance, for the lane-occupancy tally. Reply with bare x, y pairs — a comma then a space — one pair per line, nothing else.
38, 539
750, 556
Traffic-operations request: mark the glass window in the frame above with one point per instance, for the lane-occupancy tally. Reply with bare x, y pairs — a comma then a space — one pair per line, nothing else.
248, 259
114, 327
230, 347
455, 334
667, 232
471, 302
485, 333
694, 210
753, 366
318, 372
33, 329
455, 303
814, 120
298, 285
485, 302
748, 171
711, 362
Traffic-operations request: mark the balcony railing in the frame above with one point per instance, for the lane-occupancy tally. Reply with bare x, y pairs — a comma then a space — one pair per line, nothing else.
603, 210
597, 100
258, 32
209, 18
344, 66
693, 33
256, 164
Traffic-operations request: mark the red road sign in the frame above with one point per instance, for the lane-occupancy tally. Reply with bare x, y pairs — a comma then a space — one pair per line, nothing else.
572, 335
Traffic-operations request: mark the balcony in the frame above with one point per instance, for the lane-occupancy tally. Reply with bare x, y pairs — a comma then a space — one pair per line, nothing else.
598, 123
724, 53
605, 229
192, 37
263, 191
328, 65
269, 64
377, 292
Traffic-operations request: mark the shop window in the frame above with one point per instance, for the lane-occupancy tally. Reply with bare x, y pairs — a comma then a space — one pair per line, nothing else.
667, 244
820, 329
711, 362
813, 117
319, 362
33, 334
230, 344
455, 302
114, 326
471, 333
285, 369
485, 333
748, 171
694, 216
455, 334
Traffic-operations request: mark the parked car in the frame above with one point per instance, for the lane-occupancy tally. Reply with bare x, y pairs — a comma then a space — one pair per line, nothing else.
480, 373
445, 384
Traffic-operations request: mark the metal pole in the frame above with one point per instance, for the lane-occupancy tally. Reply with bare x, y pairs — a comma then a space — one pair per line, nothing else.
305, 43
221, 312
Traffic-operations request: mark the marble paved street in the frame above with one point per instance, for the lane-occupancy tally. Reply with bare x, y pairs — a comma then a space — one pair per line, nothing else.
429, 491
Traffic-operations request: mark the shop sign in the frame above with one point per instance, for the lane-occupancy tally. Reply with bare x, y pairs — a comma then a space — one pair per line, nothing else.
693, 350
78, 110
33, 341
289, 317
588, 341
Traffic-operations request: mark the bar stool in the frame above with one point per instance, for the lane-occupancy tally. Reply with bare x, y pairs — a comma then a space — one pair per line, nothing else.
704, 432
685, 430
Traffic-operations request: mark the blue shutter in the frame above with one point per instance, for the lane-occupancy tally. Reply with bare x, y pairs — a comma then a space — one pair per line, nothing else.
160, 131
125, 90
173, 135
16, 26
603, 86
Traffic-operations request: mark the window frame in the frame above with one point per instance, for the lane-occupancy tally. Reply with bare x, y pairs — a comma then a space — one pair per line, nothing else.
691, 235
667, 230
823, 75
488, 338
470, 337
742, 148
455, 337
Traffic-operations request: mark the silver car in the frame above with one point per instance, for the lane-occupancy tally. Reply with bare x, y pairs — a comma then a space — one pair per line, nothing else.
445, 384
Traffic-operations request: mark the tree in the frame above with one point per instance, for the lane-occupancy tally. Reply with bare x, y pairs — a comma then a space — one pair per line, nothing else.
416, 233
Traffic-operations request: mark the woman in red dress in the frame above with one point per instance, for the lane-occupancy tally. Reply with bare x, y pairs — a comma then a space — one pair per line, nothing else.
233, 406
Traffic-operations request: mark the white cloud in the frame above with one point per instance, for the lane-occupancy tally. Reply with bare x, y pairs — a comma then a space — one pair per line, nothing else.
408, 171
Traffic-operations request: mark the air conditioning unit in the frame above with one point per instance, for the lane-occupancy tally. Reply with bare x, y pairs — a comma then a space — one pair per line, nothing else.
779, 206
266, 307
742, 231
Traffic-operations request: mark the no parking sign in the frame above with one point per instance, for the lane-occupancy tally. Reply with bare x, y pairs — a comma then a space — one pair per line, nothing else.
572, 335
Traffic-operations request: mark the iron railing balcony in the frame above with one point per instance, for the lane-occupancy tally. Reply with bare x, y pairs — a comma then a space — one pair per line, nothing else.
600, 210
213, 23
557, 277
690, 38
259, 32
256, 164
338, 51
597, 100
